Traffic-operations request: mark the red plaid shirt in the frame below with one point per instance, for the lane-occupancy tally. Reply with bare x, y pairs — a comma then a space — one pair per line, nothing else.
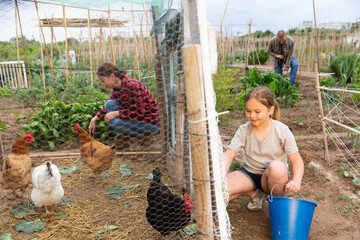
136, 102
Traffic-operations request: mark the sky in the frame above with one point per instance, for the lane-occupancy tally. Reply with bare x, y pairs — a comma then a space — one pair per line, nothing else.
279, 14
264, 14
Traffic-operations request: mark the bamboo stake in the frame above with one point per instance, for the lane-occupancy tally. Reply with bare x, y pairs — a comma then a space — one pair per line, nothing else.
180, 131
19, 78
326, 150
42, 67
91, 50
52, 51
99, 48
67, 50
23, 41
136, 56
257, 55
305, 45
146, 53
310, 51
82, 50
149, 43
57, 45
111, 39
248, 45
106, 57
300, 49
198, 139
316, 41
43, 38
141, 45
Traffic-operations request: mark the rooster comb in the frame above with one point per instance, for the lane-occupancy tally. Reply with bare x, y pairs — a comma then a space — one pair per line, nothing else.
29, 134
76, 126
188, 201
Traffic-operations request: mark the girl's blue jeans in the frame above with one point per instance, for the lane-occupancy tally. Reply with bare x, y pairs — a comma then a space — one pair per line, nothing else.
132, 127
294, 68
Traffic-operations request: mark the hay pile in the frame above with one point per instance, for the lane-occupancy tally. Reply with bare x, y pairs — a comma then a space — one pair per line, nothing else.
93, 214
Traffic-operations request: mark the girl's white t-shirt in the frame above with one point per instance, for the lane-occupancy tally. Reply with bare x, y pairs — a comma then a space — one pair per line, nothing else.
258, 154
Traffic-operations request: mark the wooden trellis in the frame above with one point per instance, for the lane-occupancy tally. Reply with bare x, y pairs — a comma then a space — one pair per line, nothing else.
82, 22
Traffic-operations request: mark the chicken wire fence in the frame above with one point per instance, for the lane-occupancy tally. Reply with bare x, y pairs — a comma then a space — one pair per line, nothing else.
174, 144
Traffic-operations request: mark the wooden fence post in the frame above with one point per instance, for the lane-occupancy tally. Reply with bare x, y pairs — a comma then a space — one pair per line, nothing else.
198, 139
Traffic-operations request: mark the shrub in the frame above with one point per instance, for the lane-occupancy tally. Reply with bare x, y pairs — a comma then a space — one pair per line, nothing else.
263, 56
6, 92
226, 87
344, 67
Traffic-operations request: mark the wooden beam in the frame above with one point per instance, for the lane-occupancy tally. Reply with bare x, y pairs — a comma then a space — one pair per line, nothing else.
77, 154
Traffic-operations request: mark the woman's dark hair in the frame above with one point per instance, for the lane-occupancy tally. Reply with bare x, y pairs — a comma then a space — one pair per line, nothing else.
264, 95
106, 69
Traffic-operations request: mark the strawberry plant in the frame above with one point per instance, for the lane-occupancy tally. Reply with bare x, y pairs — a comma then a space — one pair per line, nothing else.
54, 122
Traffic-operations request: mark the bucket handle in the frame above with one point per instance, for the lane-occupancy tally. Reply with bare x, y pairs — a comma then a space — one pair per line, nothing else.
271, 196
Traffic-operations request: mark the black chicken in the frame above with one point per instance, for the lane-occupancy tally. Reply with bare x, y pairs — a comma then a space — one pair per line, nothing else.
166, 212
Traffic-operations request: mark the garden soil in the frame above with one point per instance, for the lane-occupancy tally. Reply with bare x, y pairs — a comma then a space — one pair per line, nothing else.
335, 217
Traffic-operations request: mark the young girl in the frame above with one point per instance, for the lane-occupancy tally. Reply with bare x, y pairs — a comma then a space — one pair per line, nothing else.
268, 144
132, 111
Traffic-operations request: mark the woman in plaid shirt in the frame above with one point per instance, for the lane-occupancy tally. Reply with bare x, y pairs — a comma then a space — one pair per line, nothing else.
131, 110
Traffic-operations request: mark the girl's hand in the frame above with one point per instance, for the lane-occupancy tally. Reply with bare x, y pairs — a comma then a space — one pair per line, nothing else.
111, 115
293, 186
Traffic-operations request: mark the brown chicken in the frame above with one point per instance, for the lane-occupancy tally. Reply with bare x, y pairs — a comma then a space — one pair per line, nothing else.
96, 155
17, 165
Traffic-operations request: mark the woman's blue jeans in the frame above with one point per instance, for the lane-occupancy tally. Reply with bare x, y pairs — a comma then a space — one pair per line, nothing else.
132, 127
294, 67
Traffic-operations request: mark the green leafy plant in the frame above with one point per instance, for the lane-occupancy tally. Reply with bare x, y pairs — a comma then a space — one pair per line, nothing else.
344, 66
3, 127
354, 137
280, 86
355, 180
230, 87
54, 122
6, 92
235, 165
226, 87
257, 55
239, 57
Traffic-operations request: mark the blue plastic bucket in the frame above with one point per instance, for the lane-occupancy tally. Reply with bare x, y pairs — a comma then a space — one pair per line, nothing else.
290, 217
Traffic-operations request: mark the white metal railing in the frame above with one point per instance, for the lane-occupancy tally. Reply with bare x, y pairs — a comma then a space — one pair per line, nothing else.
13, 74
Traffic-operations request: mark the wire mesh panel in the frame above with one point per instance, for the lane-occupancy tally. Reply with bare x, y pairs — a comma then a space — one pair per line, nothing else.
106, 118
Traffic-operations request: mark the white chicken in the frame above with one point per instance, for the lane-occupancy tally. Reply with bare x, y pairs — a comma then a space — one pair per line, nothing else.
47, 189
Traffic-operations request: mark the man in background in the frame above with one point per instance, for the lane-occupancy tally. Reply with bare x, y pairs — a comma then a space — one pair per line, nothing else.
281, 47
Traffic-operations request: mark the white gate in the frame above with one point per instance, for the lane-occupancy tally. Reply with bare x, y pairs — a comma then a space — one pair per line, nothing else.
13, 74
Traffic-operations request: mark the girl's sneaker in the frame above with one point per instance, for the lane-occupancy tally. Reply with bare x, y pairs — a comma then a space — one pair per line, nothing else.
256, 200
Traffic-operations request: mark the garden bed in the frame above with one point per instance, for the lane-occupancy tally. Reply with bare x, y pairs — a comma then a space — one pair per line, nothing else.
336, 217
